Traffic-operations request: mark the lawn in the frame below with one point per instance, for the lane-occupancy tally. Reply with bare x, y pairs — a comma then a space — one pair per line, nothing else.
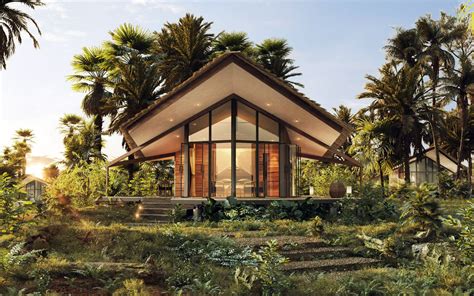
101, 249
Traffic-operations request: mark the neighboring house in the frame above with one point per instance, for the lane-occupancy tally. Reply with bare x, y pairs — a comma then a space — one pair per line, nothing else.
34, 187
425, 169
234, 129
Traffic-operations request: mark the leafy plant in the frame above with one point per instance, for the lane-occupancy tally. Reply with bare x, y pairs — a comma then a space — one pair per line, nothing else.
212, 210
13, 205
370, 206
178, 213
132, 287
423, 211
266, 272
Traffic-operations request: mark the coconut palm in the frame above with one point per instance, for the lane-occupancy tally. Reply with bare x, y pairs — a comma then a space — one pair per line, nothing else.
14, 22
398, 97
232, 41
405, 47
90, 77
184, 47
70, 124
457, 84
373, 146
273, 55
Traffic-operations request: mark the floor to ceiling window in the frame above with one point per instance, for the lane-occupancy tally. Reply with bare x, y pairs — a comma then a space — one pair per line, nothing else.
252, 169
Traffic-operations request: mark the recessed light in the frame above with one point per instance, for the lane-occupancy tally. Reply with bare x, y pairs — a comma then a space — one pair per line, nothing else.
177, 136
171, 119
198, 104
194, 124
268, 104
297, 139
296, 120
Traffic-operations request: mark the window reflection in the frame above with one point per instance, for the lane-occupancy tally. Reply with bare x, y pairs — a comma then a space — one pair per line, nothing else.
199, 129
245, 169
267, 129
246, 123
221, 123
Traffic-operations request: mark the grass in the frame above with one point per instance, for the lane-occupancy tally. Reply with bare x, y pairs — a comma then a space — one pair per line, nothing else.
202, 256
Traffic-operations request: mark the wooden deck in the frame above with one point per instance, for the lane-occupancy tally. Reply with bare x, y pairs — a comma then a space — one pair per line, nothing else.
191, 201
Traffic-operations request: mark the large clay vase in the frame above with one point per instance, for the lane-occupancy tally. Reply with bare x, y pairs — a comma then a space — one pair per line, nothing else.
337, 189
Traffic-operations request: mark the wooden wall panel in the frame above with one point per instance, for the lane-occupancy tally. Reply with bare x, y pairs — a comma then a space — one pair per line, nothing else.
178, 174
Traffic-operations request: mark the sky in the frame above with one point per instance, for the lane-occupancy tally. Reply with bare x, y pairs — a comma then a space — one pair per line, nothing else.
335, 44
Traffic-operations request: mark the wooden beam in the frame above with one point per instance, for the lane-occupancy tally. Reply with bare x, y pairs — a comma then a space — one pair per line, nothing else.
142, 159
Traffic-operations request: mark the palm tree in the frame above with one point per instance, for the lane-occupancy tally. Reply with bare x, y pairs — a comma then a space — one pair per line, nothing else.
232, 41
405, 47
373, 146
398, 97
79, 140
435, 36
139, 85
13, 23
185, 47
273, 55
21, 147
91, 78
345, 115
457, 85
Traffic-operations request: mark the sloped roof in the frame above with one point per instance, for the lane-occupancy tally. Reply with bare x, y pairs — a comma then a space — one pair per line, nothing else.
233, 56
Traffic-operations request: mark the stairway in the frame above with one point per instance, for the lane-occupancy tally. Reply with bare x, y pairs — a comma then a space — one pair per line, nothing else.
154, 210
313, 254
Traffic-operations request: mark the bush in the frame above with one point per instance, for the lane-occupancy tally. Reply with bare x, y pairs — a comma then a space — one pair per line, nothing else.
321, 175
13, 205
370, 207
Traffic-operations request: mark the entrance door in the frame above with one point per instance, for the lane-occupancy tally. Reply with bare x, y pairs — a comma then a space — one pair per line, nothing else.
268, 170
199, 169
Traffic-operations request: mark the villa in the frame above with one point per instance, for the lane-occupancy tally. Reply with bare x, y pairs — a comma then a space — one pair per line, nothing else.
424, 169
234, 129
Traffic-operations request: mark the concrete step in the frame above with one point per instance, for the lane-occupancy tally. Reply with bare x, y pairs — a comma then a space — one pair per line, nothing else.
158, 217
331, 265
317, 253
284, 242
155, 210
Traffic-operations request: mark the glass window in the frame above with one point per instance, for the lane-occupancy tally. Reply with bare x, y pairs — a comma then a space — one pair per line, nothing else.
268, 170
245, 169
221, 170
221, 123
199, 129
267, 129
246, 123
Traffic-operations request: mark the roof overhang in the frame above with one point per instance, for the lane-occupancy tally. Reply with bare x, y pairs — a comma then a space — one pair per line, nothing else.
158, 130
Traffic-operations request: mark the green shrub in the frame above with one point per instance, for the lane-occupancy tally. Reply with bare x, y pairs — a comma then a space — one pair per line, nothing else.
422, 210
266, 272
132, 287
13, 205
369, 207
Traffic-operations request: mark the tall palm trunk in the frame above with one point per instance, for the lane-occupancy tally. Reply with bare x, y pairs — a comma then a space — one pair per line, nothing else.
98, 123
464, 122
434, 128
382, 183
406, 162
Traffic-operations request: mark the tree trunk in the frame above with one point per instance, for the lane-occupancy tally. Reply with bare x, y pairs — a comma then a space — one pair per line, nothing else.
464, 122
382, 184
406, 163
98, 122
469, 173
434, 127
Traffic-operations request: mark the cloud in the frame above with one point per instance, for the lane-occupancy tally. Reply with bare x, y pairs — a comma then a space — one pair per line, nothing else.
62, 36
56, 7
164, 6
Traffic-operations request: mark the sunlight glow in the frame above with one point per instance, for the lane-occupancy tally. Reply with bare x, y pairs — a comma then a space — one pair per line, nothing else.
35, 170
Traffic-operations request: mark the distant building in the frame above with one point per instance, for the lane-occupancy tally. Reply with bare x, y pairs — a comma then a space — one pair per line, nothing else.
34, 187
425, 169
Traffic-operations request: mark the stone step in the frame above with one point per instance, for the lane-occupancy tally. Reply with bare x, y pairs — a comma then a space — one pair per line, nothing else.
157, 202
315, 253
284, 242
330, 265
158, 217
155, 210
